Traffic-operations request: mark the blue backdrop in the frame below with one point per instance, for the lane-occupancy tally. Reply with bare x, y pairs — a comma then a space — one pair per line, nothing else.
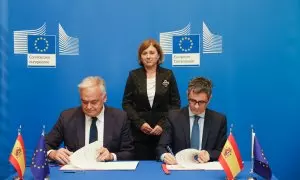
256, 76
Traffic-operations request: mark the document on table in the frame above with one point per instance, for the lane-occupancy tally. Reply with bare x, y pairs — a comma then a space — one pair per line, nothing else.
186, 161
85, 159
117, 165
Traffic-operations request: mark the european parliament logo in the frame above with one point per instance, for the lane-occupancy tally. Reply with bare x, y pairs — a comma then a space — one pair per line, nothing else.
41, 48
185, 47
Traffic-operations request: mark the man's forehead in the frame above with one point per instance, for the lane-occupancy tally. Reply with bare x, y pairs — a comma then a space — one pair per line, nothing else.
91, 96
198, 96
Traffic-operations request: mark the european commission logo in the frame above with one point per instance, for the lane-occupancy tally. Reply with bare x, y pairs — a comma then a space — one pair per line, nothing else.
41, 48
186, 50
185, 47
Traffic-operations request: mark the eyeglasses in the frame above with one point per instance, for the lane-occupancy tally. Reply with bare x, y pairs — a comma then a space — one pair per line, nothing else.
194, 102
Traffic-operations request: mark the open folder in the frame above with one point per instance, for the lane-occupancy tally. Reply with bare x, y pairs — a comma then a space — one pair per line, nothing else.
85, 159
186, 161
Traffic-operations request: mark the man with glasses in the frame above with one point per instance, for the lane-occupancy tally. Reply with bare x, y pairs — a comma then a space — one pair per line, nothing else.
90, 122
194, 126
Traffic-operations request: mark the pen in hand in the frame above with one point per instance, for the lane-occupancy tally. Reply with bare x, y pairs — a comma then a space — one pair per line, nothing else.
169, 158
170, 150
164, 167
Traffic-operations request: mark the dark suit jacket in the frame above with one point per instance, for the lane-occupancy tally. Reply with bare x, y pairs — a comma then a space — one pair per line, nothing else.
70, 129
136, 103
177, 136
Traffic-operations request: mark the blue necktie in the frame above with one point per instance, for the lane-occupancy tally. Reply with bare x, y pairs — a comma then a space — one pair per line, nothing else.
195, 139
93, 130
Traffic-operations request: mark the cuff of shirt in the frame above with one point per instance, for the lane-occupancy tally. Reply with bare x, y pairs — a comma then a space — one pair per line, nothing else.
115, 156
48, 152
162, 157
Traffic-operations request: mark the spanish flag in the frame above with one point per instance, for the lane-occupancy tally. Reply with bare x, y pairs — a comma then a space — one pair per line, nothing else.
230, 158
17, 156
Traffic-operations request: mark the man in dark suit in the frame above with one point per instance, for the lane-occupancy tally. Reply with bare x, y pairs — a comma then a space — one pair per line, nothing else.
194, 126
92, 121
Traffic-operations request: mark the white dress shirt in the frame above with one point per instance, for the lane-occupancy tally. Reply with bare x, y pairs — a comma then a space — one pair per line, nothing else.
151, 84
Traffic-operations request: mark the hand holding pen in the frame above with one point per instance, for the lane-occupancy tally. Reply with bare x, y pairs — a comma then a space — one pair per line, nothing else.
169, 157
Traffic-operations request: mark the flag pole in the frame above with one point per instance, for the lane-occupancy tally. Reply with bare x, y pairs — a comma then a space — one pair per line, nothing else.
43, 131
19, 130
251, 177
252, 146
231, 127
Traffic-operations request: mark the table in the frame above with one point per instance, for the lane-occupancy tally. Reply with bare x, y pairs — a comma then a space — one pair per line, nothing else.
146, 170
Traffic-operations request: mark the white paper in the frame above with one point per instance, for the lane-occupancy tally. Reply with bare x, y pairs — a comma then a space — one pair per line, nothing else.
115, 165
85, 155
85, 159
186, 157
186, 161
200, 166
69, 167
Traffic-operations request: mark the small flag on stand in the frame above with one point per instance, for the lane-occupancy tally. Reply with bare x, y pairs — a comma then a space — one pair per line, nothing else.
261, 165
39, 165
230, 158
17, 156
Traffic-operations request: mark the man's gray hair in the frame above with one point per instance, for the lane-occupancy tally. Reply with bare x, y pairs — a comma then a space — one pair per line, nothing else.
92, 81
200, 85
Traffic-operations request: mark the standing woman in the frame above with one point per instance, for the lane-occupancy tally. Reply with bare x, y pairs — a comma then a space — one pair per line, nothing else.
150, 92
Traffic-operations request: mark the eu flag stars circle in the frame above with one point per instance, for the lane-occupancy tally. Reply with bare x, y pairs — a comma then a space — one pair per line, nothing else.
186, 44
41, 44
